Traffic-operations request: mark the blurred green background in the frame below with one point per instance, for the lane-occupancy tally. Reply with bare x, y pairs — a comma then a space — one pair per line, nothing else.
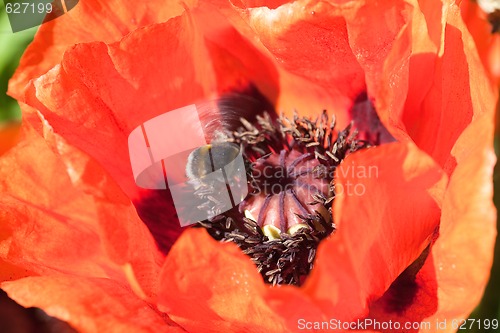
12, 47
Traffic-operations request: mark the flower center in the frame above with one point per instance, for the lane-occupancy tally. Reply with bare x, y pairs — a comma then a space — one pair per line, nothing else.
290, 170
287, 187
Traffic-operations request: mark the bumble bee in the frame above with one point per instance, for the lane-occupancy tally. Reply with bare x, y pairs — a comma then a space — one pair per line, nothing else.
207, 159
217, 174
218, 169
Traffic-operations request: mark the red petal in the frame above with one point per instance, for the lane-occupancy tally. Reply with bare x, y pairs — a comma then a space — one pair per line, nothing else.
77, 99
238, 67
387, 213
218, 284
443, 84
332, 48
463, 254
94, 20
454, 276
311, 41
89, 305
456, 273
37, 223
75, 203
221, 285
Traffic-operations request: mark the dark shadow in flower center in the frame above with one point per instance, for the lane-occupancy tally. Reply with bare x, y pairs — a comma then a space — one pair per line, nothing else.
156, 209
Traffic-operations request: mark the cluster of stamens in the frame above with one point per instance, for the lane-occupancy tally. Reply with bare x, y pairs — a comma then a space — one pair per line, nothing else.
290, 170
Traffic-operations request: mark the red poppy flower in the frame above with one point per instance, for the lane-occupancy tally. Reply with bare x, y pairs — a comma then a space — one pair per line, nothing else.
82, 242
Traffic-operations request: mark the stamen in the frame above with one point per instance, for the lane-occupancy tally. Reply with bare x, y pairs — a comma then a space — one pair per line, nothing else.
271, 232
294, 229
249, 215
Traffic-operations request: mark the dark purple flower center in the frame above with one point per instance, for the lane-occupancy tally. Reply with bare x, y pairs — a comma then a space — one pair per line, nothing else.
287, 187
290, 168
